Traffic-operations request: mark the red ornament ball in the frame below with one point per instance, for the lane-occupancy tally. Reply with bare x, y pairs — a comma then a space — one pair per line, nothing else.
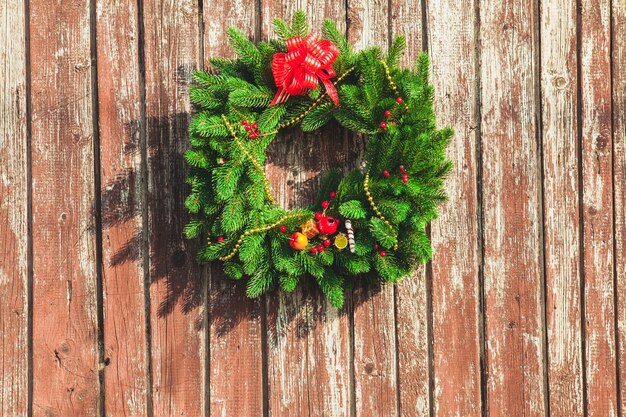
220, 238
325, 204
387, 113
383, 125
327, 242
327, 225
283, 229
399, 100
320, 248
313, 250
318, 216
382, 253
333, 194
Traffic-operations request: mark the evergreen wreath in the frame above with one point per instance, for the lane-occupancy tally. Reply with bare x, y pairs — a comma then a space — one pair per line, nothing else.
368, 224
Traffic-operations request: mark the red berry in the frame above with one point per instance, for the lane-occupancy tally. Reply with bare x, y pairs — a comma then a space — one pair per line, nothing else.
383, 125
387, 113
327, 242
283, 229
320, 248
244, 122
386, 173
220, 238
402, 168
333, 194
313, 250
318, 216
325, 204
405, 180
248, 128
382, 253
399, 100
375, 246
255, 126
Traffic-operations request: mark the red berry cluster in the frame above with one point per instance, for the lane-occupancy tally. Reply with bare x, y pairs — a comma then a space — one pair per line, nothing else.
382, 252
327, 225
252, 129
405, 176
383, 124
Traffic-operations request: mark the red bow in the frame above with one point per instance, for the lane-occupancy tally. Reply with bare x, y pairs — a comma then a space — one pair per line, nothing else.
307, 60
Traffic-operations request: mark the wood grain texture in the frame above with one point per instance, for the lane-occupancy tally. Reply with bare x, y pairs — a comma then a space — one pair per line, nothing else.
122, 187
619, 184
236, 379
559, 101
511, 210
456, 253
65, 328
308, 340
375, 354
178, 284
597, 208
411, 295
14, 233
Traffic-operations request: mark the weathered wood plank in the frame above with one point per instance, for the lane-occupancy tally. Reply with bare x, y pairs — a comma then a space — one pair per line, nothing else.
511, 210
14, 233
597, 207
561, 206
65, 342
178, 285
375, 361
411, 293
619, 183
619, 178
235, 321
455, 264
122, 188
308, 339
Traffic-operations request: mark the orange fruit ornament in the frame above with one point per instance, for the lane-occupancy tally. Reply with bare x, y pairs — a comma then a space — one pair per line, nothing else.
298, 241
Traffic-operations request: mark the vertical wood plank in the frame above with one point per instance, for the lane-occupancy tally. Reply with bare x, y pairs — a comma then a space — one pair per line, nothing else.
559, 98
619, 178
456, 254
597, 207
511, 210
65, 332
375, 373
120, 121
308, 339
14, 233
236, 363
177, 291
411, 293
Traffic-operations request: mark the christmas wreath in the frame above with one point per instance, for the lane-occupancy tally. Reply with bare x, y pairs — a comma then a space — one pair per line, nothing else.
367, 223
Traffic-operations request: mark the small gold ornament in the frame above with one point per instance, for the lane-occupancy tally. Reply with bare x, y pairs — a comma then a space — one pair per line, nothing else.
309, 229
341, 241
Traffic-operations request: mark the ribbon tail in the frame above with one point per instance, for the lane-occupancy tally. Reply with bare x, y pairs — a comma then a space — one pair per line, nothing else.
280, 97
331, 90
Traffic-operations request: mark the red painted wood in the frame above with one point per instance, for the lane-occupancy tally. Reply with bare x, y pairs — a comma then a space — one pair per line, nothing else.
597, 208
122, 188
65, 341
619, 183
236, 368
178, 284
308, 352
14, 234
511, 210
559, 100
455, 280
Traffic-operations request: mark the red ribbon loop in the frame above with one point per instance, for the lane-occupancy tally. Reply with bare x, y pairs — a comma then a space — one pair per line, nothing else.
307, 61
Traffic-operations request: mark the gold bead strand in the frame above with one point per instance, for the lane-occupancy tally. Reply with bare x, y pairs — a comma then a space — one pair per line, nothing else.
368, 193
257, 230
255, 163
392, 84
